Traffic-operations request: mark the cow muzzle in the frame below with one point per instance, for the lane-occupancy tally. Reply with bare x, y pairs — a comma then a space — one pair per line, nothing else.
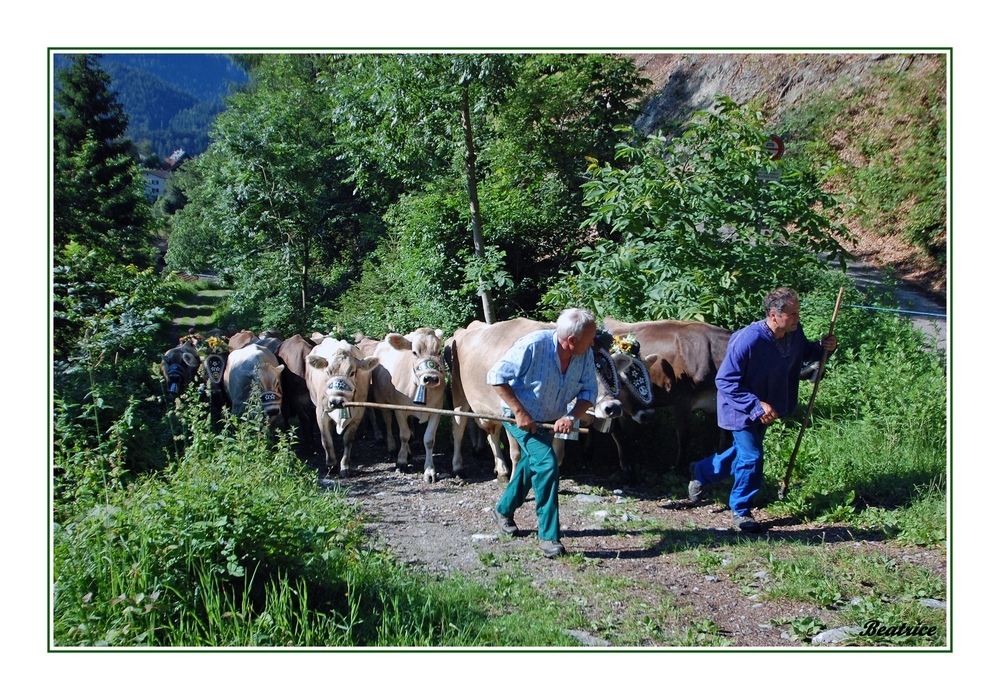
271, 403
175, 378
644, 415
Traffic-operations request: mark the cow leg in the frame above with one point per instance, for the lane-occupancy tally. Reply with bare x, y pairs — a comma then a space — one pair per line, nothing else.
494, 438
345, 462
430, 475
682, 422
618, 434
326, 430
458, 424
403, 458
390, 441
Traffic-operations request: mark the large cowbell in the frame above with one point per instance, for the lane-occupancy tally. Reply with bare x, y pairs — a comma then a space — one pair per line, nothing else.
215, 366
421, 398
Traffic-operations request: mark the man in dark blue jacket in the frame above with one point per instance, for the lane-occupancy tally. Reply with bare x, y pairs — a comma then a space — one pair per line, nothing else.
758, 383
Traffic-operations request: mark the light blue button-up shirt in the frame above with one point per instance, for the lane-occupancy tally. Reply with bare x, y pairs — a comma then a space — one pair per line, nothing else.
532, 369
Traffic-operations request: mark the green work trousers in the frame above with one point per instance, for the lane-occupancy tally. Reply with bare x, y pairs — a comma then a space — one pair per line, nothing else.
536, 469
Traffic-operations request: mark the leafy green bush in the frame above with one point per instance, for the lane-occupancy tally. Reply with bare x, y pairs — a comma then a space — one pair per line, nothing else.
691, 231
233, 545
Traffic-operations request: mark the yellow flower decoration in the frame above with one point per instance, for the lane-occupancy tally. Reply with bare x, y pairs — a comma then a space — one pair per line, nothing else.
625, 344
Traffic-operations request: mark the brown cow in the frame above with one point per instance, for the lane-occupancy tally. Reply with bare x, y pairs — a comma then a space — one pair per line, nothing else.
336, 373
410, 374
295, 398
683, 359
470, 354
269, 339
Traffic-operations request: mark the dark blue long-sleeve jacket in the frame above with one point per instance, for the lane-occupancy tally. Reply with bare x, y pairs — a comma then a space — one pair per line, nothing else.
758, 367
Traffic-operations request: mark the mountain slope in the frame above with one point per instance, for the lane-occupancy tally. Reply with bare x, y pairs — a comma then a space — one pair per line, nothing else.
875, 125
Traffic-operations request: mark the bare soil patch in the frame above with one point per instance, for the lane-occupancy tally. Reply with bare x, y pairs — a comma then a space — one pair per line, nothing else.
647, 540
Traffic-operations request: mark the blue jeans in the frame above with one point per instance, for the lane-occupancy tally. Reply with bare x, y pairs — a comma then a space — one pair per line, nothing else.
536, 469
744, 461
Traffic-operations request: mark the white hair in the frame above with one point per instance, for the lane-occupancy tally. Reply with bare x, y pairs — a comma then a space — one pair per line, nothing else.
572, 323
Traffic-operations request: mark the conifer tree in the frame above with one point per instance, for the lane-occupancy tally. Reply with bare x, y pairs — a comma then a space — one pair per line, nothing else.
99, 202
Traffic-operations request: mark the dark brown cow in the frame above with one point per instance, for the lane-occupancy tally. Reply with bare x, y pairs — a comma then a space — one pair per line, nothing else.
295, 399
179, 366
683, 358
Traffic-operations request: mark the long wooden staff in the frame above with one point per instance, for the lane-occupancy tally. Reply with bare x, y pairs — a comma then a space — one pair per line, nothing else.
446, 412
812, 399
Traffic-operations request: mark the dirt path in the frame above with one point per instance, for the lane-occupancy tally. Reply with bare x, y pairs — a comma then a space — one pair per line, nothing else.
631, 551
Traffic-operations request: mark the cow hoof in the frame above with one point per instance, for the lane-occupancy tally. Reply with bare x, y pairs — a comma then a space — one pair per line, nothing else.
430, 477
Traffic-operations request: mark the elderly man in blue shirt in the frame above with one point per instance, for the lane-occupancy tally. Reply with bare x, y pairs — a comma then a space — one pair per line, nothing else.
547, 377
758, 383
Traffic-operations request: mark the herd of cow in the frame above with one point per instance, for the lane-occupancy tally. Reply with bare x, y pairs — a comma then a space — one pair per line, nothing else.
319, 379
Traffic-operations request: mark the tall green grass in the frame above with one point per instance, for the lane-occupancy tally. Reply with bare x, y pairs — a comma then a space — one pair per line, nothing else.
234, 545
876, 445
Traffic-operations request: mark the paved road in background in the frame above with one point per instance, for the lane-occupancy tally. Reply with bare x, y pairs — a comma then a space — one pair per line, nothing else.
927, 314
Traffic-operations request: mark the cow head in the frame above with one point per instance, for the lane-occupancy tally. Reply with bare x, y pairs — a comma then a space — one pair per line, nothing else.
269, 378
637, 388
339, 374
608, 387
215, 351
180, 366
428, 365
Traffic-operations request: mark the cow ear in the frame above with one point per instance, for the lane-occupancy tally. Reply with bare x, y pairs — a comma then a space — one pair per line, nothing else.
317, 361
368, 363
190, 359
398, 342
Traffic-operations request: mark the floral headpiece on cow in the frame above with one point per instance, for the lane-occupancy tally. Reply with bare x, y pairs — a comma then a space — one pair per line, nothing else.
215, 345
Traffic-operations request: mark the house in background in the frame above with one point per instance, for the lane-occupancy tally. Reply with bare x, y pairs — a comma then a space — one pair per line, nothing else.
156, 179
156, 183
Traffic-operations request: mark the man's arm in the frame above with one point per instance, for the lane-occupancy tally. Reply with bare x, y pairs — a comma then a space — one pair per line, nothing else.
730, 381
524, 420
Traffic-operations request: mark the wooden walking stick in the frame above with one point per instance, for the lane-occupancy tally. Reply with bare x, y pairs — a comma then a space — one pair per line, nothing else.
812, 399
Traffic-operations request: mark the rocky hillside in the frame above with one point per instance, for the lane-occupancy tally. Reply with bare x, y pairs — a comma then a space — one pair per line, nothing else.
874, 115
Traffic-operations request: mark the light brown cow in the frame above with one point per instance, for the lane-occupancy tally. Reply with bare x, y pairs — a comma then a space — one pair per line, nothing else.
470, 354
683, 357
254, 368
336, 373
410, 374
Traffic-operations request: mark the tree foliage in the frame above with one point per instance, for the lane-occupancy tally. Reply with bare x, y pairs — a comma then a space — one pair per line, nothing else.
691, 227
268, 208
98, 192
533, 118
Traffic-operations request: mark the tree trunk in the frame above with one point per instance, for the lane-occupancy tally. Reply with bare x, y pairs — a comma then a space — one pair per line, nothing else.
471, 187
305, 276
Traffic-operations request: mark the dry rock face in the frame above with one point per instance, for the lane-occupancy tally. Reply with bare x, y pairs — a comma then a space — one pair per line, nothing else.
686, 82
689, 82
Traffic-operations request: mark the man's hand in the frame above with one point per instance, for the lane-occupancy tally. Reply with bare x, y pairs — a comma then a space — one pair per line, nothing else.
563, 425
770, 415
524, 421
828, 342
